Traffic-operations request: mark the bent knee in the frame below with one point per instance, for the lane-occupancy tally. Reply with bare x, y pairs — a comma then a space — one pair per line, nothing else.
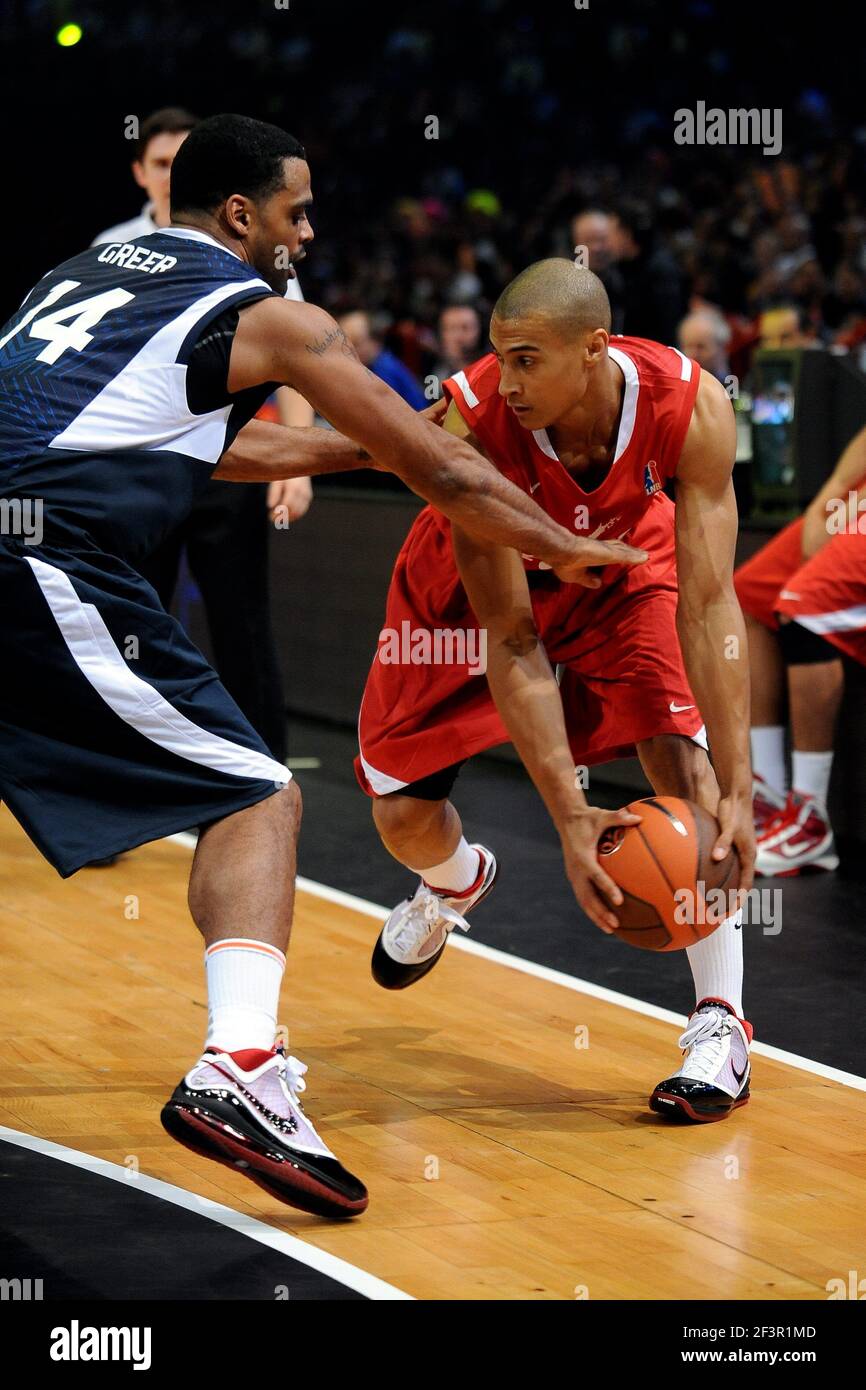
397, 816
288, 803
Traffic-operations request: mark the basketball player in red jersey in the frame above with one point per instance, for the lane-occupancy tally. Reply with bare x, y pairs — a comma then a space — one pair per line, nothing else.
592, 429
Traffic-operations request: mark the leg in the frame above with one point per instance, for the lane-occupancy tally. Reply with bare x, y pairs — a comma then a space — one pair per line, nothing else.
418, 833
767, 690
801, 837
427, 836
767, 669
713, 1079
243, 874
758, 583
678, 767
815, 693
821, 616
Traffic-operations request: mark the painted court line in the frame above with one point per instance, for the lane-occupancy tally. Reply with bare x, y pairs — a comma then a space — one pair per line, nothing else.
340, 1270
558, 977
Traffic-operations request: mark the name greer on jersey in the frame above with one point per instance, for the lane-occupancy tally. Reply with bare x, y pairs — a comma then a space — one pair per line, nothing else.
132, 257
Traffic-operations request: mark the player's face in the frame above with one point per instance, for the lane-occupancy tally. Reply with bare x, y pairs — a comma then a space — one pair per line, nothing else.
279, 229
542, 377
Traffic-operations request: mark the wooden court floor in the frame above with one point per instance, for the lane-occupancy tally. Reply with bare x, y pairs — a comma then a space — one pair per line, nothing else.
503, 1161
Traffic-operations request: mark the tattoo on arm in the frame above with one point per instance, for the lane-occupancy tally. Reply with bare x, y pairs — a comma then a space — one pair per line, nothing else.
327, 340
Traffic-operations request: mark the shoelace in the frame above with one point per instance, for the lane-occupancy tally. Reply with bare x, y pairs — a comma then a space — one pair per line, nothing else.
789, 814
709, 1028
422, 917
292, 1072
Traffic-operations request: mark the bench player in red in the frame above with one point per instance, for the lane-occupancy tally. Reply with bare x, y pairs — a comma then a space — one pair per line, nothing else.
592, 428
804, 598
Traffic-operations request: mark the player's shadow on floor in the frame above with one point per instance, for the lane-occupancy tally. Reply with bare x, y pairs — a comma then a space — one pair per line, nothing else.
436, 1079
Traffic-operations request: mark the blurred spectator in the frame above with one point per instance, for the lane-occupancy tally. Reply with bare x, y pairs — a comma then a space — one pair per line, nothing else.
459, 339
655, 284
380, 361
704, 335
593, 229
159, 139
784, 326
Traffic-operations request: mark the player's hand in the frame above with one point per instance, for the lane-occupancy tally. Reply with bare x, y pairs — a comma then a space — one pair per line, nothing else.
593, 888
289, 499
737, 823
594, 553
436, 412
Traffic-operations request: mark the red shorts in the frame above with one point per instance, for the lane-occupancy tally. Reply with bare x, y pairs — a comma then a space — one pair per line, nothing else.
826, 594
622, 678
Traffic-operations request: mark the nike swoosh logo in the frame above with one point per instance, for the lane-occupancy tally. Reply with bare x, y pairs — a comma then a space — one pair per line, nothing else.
786, 593
738, 1075
678, 709
787, 850
533, 487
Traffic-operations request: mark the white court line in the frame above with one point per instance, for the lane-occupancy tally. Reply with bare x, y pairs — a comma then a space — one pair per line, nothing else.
344, 1273
558, 977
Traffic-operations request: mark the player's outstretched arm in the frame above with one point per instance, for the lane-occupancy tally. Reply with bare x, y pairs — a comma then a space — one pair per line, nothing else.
709, 621
300, 345
265, 452
527, 696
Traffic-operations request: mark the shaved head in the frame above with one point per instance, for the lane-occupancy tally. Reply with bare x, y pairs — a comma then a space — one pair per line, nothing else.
570, 297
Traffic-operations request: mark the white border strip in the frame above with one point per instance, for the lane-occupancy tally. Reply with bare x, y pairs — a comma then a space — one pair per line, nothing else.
310, 1255
558, 977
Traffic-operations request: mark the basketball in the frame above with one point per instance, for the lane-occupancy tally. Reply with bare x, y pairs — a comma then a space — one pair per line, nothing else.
674, 893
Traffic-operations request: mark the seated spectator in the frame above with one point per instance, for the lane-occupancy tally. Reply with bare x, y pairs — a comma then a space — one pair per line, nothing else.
382, 363
593, 229
784, 326
704, 335
804, 600
459, 339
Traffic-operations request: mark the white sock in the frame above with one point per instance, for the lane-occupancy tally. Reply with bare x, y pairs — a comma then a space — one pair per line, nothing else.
243, 993
717, 964
457, 873
768, 755
810, 775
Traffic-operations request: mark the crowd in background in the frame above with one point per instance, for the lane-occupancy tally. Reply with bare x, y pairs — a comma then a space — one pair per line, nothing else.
453, 145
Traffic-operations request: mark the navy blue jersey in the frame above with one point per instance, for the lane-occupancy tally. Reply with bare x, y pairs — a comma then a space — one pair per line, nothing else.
111, 415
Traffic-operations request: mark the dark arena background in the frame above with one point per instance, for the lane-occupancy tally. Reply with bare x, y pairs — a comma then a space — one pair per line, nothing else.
708, 161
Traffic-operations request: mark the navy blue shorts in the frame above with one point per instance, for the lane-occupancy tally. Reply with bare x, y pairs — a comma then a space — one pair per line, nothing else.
114, 730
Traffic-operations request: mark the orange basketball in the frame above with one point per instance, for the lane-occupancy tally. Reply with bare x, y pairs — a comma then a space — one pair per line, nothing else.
675, 893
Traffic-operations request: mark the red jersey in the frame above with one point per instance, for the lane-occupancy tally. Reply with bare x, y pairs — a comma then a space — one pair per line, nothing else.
659, 395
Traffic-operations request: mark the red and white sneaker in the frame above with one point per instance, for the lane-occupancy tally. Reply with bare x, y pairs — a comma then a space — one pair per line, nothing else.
242, 1109
714, 1077
417, 931
799, 837
766, 803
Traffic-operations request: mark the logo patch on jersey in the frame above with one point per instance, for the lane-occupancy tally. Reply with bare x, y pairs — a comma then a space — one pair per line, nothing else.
651, 480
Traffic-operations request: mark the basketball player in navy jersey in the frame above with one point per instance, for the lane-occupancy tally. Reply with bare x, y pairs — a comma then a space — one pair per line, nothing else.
127, 378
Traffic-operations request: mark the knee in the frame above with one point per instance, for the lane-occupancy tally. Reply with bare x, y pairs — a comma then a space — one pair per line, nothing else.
291, 805
676, 766
402, 817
